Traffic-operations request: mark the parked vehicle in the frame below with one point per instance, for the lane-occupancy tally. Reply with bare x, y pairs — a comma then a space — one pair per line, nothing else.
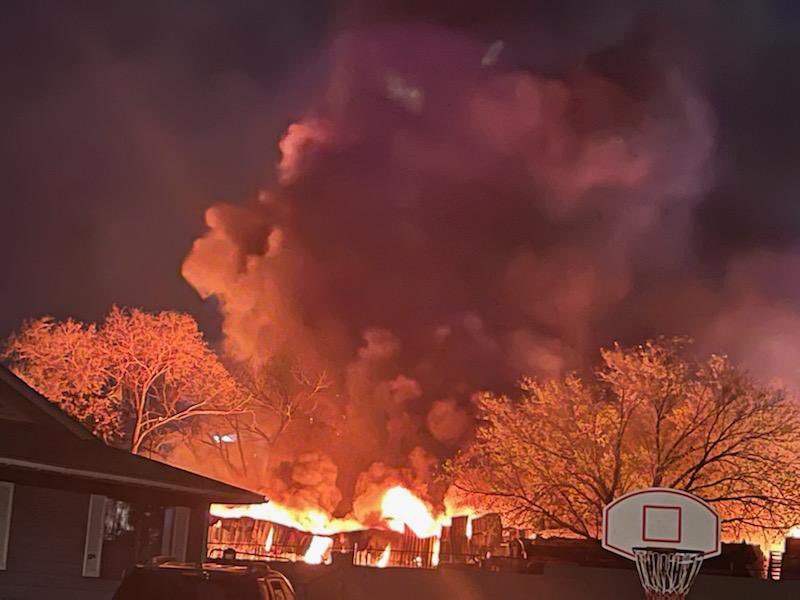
210, 581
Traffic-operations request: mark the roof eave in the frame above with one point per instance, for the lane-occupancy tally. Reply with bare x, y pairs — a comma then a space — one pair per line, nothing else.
232, 495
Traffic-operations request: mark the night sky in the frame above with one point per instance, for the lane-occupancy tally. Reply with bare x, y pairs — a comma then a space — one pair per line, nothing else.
121, 122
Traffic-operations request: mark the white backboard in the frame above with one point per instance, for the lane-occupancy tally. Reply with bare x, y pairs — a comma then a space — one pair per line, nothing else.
660, 518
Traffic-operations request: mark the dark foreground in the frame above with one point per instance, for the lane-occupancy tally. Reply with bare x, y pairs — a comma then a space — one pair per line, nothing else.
559, 582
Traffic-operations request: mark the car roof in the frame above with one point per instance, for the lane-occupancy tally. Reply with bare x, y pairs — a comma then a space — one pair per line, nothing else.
254, 569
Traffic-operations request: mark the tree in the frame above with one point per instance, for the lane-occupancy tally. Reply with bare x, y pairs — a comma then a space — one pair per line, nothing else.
61, 361
647, 416
137, 377
280, 392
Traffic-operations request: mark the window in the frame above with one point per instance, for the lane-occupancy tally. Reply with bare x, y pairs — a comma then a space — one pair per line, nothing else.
118, 520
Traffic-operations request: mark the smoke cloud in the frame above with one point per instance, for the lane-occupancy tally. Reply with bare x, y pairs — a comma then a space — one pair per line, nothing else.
441, 223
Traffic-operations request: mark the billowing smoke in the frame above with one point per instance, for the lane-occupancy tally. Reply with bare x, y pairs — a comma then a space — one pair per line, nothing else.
443, 220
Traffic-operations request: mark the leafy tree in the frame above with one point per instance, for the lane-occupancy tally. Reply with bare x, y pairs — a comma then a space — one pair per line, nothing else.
62, 362
136, 378
647, 416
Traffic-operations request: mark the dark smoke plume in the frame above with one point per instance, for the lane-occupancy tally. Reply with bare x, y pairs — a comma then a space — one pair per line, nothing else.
444, 221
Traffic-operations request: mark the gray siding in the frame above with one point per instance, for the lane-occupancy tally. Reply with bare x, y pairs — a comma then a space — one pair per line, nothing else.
45, 551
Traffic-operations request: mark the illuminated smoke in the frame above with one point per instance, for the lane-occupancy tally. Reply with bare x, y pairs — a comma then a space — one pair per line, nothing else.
443, 226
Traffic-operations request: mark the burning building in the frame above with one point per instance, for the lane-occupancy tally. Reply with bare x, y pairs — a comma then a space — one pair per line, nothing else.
407, 534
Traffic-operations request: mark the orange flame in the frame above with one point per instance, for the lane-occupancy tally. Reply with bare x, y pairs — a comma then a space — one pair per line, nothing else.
383, 561
270, 536
317, 549
400, 509
401, 505
311, 520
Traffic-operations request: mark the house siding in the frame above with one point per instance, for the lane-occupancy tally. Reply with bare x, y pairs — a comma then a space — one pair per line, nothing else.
45, 550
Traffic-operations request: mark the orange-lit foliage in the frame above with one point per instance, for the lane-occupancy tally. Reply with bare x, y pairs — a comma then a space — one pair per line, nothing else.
136, 377
649, 416
62, 361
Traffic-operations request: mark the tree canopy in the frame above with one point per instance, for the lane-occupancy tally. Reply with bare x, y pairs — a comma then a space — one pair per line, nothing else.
647, 416
132, 379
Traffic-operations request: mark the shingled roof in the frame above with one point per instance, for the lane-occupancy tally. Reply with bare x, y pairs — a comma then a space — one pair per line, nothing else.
36, 435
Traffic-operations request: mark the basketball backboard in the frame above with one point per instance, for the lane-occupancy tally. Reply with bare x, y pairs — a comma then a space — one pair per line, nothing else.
660, 518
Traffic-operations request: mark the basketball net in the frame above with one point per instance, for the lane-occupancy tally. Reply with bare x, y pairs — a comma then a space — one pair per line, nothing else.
667, 574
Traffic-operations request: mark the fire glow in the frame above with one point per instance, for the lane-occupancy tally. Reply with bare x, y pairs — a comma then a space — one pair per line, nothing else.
310, 520
316, 552
383, 561
400, 510
270, 537
401, 506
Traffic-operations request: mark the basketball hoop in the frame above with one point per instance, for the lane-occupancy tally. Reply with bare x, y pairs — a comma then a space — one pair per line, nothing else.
667, 574
668, 533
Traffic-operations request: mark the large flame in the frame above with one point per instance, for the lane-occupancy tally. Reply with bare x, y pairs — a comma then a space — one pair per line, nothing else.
317, 549
400, 505
436, 549
383, 561
268, 542
310, 520
400, 509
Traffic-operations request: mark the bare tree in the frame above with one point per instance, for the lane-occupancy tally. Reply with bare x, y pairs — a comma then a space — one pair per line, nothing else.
281, 392
648, 416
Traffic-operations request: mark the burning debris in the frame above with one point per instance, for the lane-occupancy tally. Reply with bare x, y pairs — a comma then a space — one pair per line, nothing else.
409, 535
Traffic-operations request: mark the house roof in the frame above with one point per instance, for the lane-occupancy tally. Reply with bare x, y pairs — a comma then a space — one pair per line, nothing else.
36, 435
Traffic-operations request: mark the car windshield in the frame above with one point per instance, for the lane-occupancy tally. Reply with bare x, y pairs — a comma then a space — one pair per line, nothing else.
163, 584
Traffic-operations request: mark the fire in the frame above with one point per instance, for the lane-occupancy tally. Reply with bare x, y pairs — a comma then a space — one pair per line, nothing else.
436, 549
396, 525
780, 545
383, 561
400, 508
317, 549
401, 511
311, 520
268, 542
400, 505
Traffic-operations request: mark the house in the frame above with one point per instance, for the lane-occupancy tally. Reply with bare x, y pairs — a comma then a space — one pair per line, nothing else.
75, 513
